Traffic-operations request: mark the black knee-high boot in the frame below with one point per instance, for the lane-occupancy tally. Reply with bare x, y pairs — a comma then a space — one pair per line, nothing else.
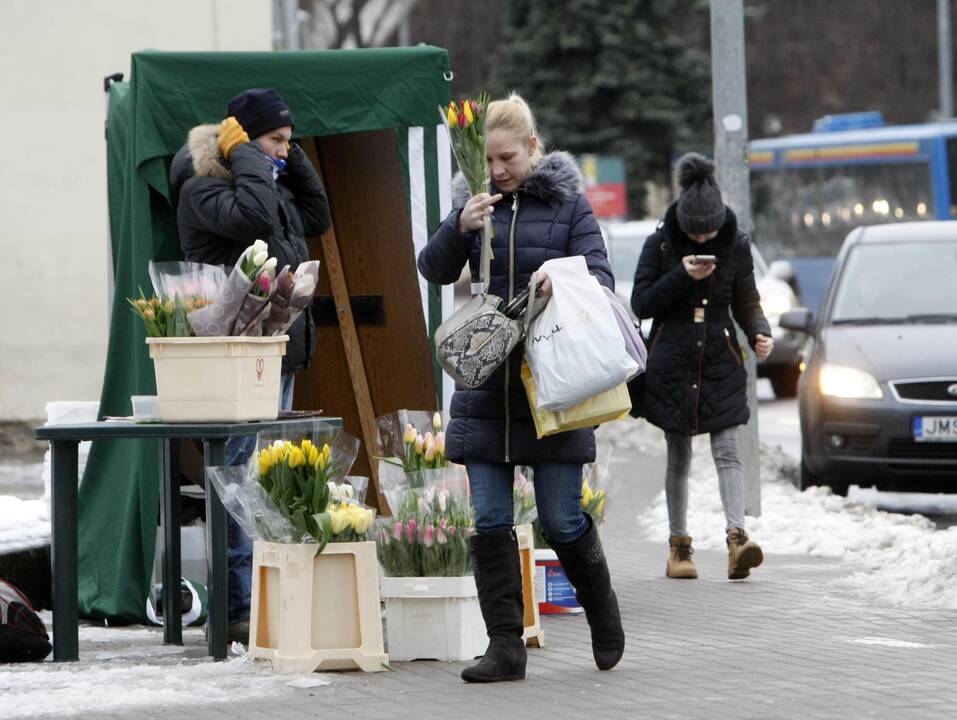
498, 578
584, 563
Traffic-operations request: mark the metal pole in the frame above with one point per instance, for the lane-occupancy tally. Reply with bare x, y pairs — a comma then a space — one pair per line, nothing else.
945, 72
730, 100
110, 288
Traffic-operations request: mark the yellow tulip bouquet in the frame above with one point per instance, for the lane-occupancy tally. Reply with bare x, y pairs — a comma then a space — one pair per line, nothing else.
295, 491
595, 490
299, 480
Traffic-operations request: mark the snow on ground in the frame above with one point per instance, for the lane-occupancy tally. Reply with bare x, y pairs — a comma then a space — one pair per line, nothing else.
23, 524
128, 668
893, 559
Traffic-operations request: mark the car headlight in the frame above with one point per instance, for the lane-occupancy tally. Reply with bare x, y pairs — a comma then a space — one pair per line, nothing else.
848, 382
775, 304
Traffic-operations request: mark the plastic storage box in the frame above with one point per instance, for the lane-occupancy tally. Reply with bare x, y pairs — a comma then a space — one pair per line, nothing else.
433, 618
316, 612
217, 379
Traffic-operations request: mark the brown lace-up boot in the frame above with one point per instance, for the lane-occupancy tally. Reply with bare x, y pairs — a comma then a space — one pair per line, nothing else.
679, 558
742, 554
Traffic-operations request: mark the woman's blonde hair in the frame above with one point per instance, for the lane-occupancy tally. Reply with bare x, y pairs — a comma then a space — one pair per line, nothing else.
513, 115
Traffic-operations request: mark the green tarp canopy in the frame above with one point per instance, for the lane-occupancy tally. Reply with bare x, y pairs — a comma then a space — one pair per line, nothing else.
329, 92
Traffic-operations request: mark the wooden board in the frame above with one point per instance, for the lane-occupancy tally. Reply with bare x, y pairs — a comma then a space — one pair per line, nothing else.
372, 233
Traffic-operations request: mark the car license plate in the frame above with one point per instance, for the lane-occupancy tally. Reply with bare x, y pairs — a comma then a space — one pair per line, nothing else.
935, 428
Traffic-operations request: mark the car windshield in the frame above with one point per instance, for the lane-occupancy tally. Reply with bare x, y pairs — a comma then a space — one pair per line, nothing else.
899, 282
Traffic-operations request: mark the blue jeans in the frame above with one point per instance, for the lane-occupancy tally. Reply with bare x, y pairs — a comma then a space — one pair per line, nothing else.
558, 495
239, 548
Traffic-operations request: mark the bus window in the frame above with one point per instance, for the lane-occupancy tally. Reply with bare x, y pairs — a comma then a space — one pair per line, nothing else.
808, 211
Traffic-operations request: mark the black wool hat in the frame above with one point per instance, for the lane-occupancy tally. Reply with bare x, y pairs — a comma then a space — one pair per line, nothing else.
700, 207
259, 111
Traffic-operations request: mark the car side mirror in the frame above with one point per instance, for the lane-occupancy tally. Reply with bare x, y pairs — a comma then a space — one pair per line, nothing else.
797, 319
782, 270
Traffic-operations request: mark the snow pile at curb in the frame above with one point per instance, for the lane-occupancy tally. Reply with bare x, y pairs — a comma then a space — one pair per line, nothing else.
895, 560
23, 524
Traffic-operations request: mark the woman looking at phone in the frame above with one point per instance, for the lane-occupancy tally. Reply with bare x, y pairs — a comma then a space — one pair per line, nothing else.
695, 273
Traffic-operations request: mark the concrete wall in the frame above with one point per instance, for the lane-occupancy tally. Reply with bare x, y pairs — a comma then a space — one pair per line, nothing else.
54, 55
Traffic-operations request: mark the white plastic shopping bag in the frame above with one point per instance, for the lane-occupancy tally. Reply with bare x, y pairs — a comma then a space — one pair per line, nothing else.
574, 347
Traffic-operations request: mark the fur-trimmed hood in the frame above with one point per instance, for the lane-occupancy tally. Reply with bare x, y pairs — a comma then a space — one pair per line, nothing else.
555, 179
200, 156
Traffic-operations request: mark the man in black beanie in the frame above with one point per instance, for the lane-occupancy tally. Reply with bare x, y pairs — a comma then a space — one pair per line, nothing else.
235, 182
696, 273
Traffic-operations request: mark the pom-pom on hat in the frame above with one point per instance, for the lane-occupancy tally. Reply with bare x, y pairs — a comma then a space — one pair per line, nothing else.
700, 207
260, 110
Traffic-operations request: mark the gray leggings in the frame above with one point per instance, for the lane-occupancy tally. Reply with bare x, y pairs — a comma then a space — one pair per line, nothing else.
724, 450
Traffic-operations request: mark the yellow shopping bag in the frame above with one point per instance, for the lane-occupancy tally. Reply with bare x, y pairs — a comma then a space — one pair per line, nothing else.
610, 405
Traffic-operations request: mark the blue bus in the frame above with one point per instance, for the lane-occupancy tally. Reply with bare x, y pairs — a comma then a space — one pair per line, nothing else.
809, 191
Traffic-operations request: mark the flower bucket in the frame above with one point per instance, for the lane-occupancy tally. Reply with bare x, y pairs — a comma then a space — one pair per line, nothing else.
433, 618
217, 379
316, 612
555, 593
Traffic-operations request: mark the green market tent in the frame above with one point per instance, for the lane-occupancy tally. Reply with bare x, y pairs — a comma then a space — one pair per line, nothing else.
330, 92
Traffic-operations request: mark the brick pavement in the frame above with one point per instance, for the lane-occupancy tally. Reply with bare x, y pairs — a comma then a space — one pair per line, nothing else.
779, 646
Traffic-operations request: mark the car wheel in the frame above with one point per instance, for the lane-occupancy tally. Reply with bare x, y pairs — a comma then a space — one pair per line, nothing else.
806, 479
784, 381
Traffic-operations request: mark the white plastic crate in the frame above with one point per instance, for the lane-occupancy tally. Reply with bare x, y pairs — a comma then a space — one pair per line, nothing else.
210, 379
433, 618
316, 612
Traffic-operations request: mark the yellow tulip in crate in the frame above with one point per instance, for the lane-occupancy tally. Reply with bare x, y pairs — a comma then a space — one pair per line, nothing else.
315, 583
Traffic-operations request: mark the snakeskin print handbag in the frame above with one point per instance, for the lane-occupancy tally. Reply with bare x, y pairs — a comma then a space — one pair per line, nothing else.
479, 336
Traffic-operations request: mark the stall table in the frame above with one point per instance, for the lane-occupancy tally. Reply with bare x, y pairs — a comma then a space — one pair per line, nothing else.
64, 441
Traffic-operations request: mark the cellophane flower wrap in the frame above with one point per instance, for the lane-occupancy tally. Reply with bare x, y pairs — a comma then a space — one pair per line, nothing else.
409, 443
239, 300
428, 497
465, 121
180, 288
293, 488
596, 490
293, 292
428, 533
523, 498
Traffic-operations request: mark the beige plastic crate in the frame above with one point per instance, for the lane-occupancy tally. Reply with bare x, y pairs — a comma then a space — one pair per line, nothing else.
218, 379
534, 635
316, 612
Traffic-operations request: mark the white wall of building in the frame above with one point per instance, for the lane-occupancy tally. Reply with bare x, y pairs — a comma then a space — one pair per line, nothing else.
54, 55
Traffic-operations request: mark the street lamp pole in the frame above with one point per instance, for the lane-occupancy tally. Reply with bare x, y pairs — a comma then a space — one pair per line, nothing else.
730, 101
945, 60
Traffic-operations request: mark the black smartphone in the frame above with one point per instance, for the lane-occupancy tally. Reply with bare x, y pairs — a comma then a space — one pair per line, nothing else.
515, 308
706, 259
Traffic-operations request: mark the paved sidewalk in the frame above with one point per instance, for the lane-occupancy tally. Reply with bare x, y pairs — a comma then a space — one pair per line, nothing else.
778, 646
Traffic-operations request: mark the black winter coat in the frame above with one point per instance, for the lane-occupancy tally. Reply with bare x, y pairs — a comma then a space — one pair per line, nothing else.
552, 219
222, 207
695, 380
